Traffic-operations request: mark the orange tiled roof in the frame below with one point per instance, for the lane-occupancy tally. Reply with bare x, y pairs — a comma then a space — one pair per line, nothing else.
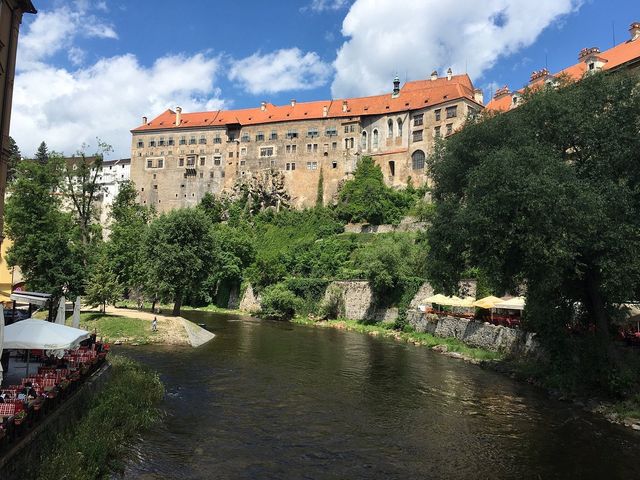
413, 96
613, 58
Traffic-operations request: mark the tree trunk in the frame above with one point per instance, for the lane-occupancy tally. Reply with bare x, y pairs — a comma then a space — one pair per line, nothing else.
153, 305
599, 315
104, 307
177, 304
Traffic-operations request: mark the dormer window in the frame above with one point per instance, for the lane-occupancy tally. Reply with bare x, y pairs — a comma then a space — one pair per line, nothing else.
592, 66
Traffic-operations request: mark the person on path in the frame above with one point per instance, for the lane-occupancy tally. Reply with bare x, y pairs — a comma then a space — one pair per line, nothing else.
154, 324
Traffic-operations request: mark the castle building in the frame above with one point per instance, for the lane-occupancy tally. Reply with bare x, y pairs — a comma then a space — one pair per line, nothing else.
624, 56
177, 157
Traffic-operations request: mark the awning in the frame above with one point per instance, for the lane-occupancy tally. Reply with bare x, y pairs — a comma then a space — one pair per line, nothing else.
41, 335
515, 303
33, 298
487, 302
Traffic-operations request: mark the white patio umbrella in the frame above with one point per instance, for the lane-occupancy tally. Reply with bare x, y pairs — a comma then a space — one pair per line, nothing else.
76, 313
61, 311
515, 303
35, 334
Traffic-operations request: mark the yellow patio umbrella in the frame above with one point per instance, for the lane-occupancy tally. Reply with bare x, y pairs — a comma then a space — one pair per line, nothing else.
487, 302
467, 302
438, 299
452, 301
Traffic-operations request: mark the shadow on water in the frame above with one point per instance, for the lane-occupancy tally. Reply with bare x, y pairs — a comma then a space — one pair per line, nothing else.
269, 400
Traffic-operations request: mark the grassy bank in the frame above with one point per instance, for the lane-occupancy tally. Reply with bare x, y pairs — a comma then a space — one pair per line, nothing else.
423, 339
116, 327
97, 445
166, 308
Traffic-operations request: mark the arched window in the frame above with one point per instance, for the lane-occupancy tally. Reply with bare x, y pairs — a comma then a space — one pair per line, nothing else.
374, 139
363, 140
399, 127
417, 160
390, 132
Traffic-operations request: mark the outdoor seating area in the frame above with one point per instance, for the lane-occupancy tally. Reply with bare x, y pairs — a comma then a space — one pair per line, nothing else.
43, 365
505, 312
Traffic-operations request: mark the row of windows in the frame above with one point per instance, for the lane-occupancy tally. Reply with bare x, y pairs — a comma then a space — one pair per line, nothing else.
188, 161
170, 141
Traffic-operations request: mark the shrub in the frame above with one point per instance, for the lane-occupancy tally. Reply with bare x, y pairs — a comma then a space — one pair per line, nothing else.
332, 306
279, 303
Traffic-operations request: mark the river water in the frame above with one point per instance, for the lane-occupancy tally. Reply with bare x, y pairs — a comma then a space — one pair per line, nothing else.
269, 400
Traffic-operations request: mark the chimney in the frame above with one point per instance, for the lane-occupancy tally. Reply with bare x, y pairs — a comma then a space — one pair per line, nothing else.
588, 51
539, 74
325, 111
434, 75
263, 106
478, 96
449, 73
178, 116
344, 105
634, 30
501, 92
144, 120
293, 102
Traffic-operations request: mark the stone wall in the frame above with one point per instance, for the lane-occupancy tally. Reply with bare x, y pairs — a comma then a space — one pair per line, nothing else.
358, 302
475, 334
408, 224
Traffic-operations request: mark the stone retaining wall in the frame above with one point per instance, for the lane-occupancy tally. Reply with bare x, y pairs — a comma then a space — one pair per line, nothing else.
408, 224
475, 334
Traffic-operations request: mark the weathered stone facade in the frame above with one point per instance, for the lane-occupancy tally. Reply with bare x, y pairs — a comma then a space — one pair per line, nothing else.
176, 158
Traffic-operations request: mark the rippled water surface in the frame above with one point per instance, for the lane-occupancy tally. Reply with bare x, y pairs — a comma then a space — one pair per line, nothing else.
268, 400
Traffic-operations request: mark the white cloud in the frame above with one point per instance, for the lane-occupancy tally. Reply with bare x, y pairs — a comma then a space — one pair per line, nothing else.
323, 5
52, 31
286, 69
69, 107
431, 34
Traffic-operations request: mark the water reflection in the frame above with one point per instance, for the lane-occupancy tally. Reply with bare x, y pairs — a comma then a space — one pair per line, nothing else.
271, 400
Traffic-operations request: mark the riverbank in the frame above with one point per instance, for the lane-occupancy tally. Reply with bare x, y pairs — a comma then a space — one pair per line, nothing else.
97, 445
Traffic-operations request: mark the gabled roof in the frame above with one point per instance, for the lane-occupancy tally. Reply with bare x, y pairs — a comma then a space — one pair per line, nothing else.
613, 58
413, 96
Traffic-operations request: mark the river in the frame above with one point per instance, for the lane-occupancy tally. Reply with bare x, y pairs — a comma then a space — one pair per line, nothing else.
269, 400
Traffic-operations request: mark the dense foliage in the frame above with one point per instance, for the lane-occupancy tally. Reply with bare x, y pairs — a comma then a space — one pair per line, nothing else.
547, 196
96, 446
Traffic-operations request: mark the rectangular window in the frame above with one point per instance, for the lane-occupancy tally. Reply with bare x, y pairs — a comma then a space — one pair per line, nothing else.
183, 140
192, 140
312, 165
217, 139
449, 128
346, 129
352, 128
140, 144
161, 142
245, 137
181, 162
260, 137
243, 151
437, 114
417, 136
230, 154
149, 163
170, 142
312, 132
308, 148
272, 163
417, 120
202, 161
436, 132
291, 166
315, 147
266, 152
331, 132
191, 161
292, 134
216, 161
274, 135
334, 145
294, 148
202, 140
152, 143
452, 111
243, 163
288, 148
160, 163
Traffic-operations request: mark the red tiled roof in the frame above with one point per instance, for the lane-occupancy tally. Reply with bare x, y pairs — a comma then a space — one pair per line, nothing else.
413, 96
613, 58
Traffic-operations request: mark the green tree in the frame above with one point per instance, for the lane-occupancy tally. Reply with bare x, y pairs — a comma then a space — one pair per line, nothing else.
177, 251
548, 196
103, 286
45, 239
128, 223
213, 207
14, 157
42, 154
366, 198
320, 192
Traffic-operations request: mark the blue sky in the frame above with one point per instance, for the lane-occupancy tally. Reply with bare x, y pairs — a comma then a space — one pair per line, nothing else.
92, 68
